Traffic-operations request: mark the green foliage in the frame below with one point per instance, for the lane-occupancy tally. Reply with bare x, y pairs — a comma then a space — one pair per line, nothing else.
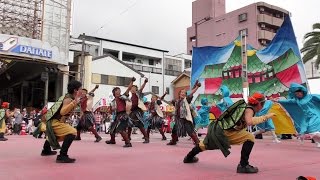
311, 46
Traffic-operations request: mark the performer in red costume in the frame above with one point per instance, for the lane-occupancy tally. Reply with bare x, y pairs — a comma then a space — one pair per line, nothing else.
87, 120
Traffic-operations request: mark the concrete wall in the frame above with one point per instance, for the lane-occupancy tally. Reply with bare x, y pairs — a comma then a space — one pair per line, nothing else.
207, 8
224, 28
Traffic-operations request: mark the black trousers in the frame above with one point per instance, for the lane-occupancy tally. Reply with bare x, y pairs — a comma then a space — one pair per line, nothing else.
183, 128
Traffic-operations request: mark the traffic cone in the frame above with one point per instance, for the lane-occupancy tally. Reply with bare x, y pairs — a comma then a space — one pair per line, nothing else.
23, 128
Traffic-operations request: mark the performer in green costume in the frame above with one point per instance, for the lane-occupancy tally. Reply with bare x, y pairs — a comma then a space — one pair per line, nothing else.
57, 128
230, 129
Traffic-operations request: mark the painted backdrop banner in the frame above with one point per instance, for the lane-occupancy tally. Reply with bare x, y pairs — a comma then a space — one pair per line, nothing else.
270, 70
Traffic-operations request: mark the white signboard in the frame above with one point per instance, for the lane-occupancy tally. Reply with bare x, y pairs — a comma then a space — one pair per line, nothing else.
31, 48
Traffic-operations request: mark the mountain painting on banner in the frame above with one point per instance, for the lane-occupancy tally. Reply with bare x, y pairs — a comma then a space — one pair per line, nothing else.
270, 70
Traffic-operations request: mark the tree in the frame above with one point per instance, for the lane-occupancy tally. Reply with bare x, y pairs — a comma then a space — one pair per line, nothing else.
311, 46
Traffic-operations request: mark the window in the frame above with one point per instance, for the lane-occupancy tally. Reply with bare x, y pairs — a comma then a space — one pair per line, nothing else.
193, 38
234, 72
139, 61
96, 78
151, 62
157, 70
244, 31
187, 64
127, 81
168, 90
121, 81
137, 67
243, 17
128, 57
104, 79
170, 67
112, 52
112, 80
155, 89
146, 69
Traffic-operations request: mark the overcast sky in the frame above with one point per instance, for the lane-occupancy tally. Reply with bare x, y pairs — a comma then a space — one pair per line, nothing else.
162, 24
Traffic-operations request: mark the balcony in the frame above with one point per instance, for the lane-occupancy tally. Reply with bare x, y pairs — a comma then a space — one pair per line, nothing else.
263, 34
145, 68
268, 19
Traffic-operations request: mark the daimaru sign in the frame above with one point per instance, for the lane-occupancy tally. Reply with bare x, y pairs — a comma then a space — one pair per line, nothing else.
33, 51
31, 48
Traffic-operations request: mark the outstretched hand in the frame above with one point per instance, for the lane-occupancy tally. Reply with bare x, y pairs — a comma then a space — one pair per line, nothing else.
133, 79
270, 115
146, 80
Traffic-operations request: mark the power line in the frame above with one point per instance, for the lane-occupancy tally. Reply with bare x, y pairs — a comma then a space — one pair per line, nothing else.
110, 19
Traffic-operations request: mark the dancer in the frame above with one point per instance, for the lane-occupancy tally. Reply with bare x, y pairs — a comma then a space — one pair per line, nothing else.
56, 127
41, 128
268, 125
87, 120
4, 114
183, 117
137, 110
121, 118
230, 129
226, 100
304, 109
156, 115
203, 120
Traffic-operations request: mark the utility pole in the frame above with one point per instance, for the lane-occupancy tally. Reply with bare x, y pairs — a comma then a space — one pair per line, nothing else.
45, 78
82, 59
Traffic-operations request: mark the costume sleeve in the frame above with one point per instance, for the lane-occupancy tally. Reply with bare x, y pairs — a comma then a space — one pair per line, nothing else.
189, 99
287, 101
316, 97
67, 108
258, 120
159, 102
261, 119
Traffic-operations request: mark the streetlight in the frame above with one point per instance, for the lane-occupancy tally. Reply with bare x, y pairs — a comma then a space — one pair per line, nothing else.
196, 24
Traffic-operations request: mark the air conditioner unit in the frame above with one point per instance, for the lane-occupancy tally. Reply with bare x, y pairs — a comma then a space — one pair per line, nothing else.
261, 9
263, 42
262, 25
278, 15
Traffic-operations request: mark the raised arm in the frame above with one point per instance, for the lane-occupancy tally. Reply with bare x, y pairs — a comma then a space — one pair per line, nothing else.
195, 88
143, 85
162, 97
130, 86
94, 89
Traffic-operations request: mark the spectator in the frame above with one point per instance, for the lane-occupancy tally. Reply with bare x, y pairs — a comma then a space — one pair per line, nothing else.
98, 121
17, 121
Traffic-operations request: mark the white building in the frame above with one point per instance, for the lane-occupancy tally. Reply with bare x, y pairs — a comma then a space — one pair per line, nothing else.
106, 71
120, 61
311, 71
